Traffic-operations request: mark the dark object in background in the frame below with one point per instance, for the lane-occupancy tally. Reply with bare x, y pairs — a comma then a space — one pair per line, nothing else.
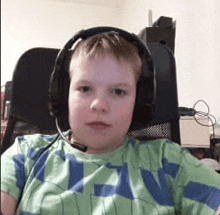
162, 31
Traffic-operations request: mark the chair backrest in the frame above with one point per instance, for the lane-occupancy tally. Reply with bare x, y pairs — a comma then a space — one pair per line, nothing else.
166, 121
29, 104
29, 98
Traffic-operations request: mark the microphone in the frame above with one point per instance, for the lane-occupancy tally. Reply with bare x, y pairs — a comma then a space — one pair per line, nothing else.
75, 145
79, 146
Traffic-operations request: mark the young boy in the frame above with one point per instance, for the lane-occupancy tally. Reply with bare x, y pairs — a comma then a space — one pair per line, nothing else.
116, 175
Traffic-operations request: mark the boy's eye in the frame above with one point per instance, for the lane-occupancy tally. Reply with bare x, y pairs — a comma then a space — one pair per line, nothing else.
85, 89
119, 92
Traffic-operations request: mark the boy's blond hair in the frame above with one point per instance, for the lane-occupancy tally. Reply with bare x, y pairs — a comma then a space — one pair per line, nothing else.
108, 43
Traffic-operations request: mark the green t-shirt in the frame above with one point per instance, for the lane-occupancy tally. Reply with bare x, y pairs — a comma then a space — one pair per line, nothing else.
153, 177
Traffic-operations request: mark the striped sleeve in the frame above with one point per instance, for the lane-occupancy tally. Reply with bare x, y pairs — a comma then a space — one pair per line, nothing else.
18, 160
13, 169
196, 188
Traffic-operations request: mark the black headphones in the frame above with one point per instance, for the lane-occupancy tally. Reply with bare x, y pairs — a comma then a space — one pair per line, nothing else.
146, 87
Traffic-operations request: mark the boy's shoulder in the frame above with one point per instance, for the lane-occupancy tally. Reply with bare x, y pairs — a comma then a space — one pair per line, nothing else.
156, 152
34, 140
161, 146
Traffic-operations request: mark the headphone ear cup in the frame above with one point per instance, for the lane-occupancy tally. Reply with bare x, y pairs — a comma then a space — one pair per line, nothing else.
59, 87
144, 105
144, 109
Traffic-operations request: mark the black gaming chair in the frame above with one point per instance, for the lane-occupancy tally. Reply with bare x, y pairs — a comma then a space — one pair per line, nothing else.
29, 110
29, 104
166, 121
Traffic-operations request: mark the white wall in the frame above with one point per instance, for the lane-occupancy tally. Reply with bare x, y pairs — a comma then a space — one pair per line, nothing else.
50, 23
197, 48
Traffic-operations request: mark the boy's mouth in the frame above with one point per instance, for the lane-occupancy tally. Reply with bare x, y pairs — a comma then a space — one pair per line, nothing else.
98, 125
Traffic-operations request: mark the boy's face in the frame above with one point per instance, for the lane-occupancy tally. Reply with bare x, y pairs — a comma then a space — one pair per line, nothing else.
101, 102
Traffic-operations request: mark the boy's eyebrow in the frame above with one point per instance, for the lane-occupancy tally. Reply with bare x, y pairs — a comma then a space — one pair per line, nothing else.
82, 81
122, 85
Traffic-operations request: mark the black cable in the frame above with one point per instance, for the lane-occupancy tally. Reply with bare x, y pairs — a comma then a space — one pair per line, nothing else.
207, 115
76, 145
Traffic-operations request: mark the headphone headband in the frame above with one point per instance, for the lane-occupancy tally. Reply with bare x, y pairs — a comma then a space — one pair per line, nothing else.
145, 96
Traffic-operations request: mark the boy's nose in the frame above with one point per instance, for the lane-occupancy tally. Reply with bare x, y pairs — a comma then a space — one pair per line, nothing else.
100, 105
